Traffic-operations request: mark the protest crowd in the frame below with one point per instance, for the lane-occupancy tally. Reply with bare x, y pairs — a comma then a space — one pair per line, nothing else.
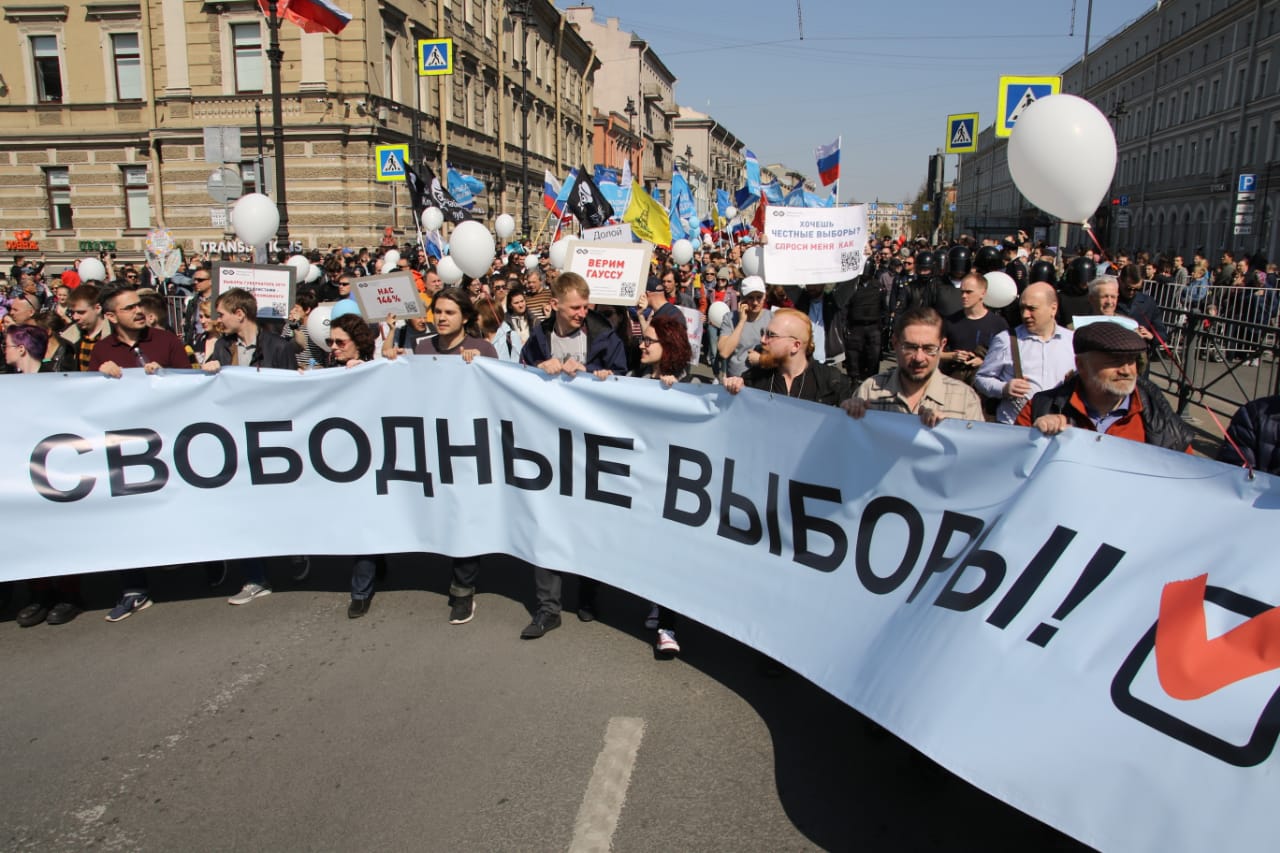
910, 334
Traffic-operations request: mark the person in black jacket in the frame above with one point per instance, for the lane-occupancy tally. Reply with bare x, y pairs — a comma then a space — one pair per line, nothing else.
787, 366
244, 344
864, 315
1255, 431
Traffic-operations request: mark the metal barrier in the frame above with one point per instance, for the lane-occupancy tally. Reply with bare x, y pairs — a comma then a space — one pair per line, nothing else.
177, 308
1222, 344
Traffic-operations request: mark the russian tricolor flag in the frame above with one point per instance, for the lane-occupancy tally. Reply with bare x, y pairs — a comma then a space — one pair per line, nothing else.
555, 194
314, 16
829, 162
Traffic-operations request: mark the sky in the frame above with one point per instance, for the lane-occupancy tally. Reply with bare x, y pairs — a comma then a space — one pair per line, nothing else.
884, 76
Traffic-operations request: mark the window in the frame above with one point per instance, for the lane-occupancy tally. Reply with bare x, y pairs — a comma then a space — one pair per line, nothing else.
137, 203
127, 61
58, 189
1239, 87
246, 49
1251, 144
390, 67
48, 68
249, 175
1260, 82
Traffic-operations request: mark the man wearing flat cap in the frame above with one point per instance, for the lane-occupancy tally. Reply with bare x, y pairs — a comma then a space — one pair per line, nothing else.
1107, 395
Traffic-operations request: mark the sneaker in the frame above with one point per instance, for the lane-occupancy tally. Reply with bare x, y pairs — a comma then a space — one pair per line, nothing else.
651, 621
248, 593
667, 642
463, 610
357, 608
130, 604
33, 614
63, 612
301, 568
541, 624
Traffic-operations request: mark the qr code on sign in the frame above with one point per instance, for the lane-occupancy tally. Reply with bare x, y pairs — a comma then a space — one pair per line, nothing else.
850, 262
627, 290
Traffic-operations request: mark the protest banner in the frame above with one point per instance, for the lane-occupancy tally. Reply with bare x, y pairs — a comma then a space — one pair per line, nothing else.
392, 293
272, 285
693, 319
615, 272
619, 233
814, 245
1016, 607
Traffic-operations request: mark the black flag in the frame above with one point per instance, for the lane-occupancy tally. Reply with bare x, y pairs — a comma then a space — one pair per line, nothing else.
587, 202
426, 191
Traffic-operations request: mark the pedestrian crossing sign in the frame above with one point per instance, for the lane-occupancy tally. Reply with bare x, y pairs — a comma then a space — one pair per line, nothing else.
435, 57
391, 162
1018, 93
962, 133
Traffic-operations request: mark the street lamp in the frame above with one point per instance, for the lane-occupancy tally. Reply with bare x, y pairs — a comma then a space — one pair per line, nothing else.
630, 110
522, 10
276, 57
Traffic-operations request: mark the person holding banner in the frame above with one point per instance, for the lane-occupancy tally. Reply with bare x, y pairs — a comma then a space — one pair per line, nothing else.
456, 330
786, 365
570, 341
242, 341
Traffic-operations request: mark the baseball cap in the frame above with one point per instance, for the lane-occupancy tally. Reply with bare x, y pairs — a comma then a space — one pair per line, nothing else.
654, 285
752, 284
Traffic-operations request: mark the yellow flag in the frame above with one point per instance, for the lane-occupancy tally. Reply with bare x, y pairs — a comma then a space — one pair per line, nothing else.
648, 219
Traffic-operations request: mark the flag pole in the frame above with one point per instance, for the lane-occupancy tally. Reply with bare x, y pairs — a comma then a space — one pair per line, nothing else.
836, 190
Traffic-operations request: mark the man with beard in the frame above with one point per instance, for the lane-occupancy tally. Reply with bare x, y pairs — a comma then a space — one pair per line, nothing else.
916, 386
1107, 395
787, 366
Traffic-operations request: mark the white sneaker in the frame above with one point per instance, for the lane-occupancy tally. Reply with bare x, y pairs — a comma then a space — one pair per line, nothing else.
651, 621
667, 642
248, 593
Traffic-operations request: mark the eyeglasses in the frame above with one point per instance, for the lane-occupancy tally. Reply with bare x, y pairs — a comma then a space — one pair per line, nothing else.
336, 342
647, 341
928, 349
206, 278
767, 335
132, 306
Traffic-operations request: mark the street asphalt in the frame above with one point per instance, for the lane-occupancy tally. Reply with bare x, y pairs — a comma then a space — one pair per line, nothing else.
283, 725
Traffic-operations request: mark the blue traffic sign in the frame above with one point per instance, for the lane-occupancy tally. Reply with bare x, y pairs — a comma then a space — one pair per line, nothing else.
435, 57
1248, 184
391, 162
1124, 201
1016, 94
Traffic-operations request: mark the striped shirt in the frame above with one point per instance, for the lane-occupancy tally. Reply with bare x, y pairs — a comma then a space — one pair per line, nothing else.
538, 304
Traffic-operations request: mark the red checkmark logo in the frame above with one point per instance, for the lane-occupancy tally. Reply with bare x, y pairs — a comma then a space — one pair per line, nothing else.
1189, 664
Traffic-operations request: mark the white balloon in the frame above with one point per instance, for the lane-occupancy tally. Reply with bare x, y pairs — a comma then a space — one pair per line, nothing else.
681, 252
1062, 156
753, 260
558, 251
716, 313
531, 262
472, 248
730, 212
505, 226
432, 219
301, 267
255, 219
393, 256
92, 269
314, 273
318, 324
1001, 289
387, 266
449, 271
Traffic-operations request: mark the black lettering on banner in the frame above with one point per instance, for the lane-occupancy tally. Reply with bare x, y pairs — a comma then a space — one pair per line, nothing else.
696, 486
597, 466
480, 450
566, 463
802, 524
729, 501
771, 516
876, 510
40, 470
182, 455
118, 462
512, 454
952, 523
1032, 576
388, 471
992, 566
257, 454
315, 448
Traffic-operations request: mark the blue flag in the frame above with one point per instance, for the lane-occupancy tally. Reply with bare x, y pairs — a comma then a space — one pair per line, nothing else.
606, 175
682, 198
723, 203
772, 192
460, 190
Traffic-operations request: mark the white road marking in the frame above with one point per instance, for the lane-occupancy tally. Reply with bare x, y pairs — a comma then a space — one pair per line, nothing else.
607, 791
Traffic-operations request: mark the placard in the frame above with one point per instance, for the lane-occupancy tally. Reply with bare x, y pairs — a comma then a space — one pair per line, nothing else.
393, 293
616, 272
693, 319
619, 233
271, 284
814, 245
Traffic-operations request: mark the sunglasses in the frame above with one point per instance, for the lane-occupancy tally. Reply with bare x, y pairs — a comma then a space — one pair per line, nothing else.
336, 342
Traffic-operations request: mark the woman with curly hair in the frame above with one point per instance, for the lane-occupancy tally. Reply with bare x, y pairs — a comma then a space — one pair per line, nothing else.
350, 341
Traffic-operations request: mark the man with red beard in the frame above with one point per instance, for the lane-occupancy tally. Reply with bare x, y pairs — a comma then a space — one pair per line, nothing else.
916, 386
787, 366
1107, 394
